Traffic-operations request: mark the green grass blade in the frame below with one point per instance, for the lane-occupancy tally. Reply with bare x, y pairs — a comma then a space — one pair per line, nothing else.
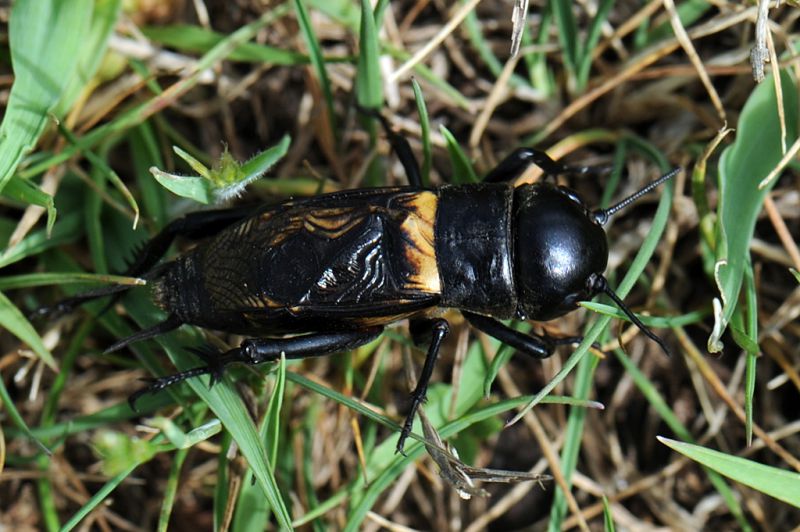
585, 59
272, 424
101, 167
222, 489
369, 87
541, 75
345, 12
27, 280
463, 172
145, 153
781, 484
12, 320
503, 353
252, 509
228, 407
92, 213
24, 191
689, 318
98, 498
317, 61
171, 489
484, 48
197, 39
608, 518
17, 419
423, 72
754, 153
231, 411
567, 32
47, 499
572, 439
425, 125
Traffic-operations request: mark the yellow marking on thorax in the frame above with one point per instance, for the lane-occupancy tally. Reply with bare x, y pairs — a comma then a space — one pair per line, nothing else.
331, 222
421, 252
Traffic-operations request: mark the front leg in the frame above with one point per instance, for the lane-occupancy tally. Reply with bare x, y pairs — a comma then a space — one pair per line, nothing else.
437, 329
259, 350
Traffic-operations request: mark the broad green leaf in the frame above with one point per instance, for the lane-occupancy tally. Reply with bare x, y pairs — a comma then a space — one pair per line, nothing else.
92, 51
756, 151
193, 187
46, 38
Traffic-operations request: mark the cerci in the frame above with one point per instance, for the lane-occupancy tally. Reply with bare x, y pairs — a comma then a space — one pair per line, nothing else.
324, 274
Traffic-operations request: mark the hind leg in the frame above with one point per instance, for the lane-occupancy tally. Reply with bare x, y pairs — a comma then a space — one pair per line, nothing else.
259, 350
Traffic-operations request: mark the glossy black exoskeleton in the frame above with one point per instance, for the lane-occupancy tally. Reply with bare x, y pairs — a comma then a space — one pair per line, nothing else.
326, 274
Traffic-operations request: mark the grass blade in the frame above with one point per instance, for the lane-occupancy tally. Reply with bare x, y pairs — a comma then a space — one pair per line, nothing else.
425, 125
14, 322
317, 61
778, 483
369, 87
463, 172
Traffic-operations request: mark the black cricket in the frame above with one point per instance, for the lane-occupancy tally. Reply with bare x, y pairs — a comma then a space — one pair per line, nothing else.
324, 274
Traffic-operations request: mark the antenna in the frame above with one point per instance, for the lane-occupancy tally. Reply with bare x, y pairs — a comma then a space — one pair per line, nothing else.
601, 215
